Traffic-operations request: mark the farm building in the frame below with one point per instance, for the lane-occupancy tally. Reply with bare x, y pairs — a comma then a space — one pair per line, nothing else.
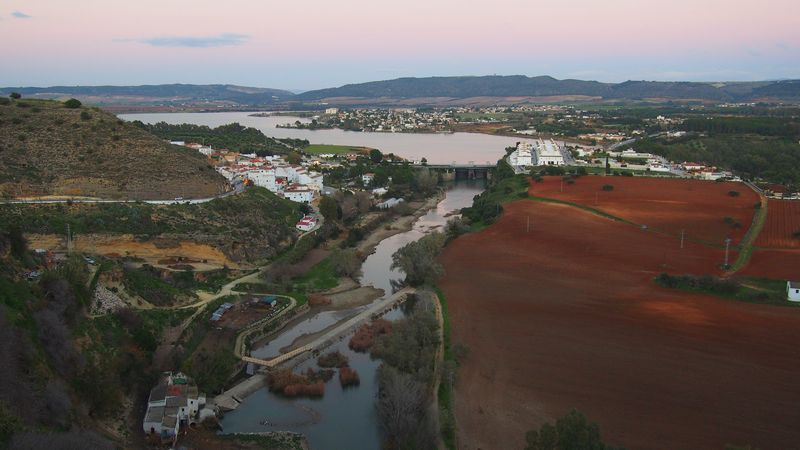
216, 315
793, 291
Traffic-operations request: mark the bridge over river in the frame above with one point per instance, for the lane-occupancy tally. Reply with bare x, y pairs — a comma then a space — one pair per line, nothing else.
458, 171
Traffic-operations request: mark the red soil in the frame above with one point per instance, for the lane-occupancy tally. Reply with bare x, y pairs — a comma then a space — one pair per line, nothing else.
783, 220
664, 204
773, 263
567, 316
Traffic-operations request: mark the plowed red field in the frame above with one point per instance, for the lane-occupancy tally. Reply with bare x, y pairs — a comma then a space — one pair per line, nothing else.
783, 220
566, 316
783, 264
668, 205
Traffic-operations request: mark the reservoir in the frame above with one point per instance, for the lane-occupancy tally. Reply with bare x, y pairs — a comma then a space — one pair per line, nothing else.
438, 148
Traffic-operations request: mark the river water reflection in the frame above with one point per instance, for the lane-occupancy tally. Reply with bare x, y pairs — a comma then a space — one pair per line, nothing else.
343, 418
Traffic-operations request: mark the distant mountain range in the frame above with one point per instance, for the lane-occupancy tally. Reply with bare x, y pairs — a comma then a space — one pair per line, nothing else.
423, 91
166, 94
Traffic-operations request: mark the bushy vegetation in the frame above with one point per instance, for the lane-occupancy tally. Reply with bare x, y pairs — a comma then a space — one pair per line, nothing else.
233, 136
256, 217
750, 290
405, 381
504, 186
571, 432
48, 383
418, 260
768, 157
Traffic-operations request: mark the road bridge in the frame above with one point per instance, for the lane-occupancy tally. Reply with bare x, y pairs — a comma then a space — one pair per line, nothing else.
458, 171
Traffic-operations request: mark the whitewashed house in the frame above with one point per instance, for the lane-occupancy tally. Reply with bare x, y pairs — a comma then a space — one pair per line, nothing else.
173, 403
298, 193
367, 178
793, 291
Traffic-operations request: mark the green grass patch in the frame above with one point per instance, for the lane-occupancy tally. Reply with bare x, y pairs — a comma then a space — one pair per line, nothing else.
746, 247
320, 277
446, 392
752, 290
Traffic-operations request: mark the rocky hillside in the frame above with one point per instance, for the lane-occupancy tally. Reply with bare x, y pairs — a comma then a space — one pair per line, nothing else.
47, 148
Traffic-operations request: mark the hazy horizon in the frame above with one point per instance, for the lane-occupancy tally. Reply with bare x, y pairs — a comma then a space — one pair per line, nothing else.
319, 44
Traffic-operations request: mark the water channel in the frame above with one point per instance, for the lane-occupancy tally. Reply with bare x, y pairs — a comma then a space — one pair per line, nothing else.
438, 148
343, 418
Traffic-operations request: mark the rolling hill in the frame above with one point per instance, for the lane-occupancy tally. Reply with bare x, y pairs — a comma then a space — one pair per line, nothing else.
48, 149
440, 91
519, 86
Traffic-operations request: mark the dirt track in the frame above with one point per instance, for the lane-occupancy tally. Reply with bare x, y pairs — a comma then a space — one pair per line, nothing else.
566, 316
669, 205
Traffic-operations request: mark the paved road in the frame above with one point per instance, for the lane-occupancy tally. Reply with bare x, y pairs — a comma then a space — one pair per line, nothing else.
238, 189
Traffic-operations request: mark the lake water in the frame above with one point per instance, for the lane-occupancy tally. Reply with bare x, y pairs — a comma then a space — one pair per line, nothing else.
345, 417
438, 148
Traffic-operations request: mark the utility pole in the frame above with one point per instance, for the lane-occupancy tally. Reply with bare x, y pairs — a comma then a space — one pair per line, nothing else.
69, 240
682, 234
727, 246
528, 230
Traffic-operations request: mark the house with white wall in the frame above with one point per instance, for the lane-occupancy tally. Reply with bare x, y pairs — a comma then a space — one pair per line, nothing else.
174, 403
793, 291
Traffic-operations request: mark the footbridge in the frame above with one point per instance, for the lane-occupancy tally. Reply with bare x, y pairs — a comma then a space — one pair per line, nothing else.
459, 171
376, 309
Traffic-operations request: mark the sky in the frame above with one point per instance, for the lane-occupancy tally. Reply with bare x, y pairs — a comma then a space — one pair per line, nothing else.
311, 44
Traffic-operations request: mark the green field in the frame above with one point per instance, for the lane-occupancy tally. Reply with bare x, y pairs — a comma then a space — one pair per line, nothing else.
499, 116
316, 149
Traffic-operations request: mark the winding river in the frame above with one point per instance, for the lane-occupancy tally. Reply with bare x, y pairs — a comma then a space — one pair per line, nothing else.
343, 418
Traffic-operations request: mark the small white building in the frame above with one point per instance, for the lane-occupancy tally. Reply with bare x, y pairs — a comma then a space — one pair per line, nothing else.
298, 193
307, 223
367, 178
793, 291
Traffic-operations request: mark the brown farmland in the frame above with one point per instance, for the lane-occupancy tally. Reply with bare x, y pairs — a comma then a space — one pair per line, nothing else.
781, 264
567, 316
783, 220
664, 204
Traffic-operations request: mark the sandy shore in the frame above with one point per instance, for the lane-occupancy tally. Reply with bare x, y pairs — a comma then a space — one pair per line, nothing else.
399, 225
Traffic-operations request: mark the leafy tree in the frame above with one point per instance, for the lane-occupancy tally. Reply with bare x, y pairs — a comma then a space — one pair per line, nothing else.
375, 155
346, 262
85, 115
571, 432
329, 208
294, 158
72, 103
15, 95
425, 180
418, 260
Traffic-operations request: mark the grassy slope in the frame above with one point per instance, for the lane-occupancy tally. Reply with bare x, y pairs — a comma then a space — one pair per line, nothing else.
46, 148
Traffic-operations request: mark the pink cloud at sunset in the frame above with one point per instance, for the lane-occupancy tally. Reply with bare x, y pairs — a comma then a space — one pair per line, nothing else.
237, 39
